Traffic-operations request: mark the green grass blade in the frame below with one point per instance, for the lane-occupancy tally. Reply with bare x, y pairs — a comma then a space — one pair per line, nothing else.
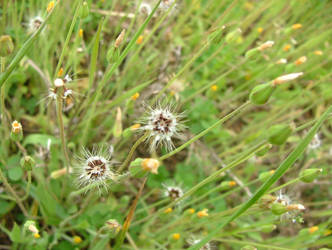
284, 166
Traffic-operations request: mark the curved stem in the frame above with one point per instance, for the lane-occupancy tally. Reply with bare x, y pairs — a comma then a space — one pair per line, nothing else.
28, 187
132, 150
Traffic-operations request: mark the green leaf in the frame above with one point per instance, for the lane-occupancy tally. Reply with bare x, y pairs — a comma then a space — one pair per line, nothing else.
15, 174
15, 234
40, 139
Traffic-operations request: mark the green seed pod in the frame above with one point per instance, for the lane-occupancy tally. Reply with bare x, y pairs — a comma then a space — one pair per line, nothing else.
278, 134
227, 185
84, 12
251, 53
263, 151
265, 175
232, 37
27, 163
310, 174
136, 169
6, 46
268, 228
278, 208
261, 94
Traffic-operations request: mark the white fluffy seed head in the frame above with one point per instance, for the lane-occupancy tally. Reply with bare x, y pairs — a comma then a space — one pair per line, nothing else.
35, 23
58, 83
162, 124
315, 143
94, 169
145, 8
173, 192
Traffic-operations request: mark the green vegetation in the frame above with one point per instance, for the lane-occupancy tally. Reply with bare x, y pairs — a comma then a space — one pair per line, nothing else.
164, 124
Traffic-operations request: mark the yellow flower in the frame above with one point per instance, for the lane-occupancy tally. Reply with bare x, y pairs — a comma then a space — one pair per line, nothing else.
77, 239
135, 96
191, 210
260, 30
296, 26
135, 126
139, 39
168, 210
151, 165
16, 127
50, 6
313, 229
60, 72
81, 33
301, 60
318, 52
328, 232
232, 183
176, 236
36, 235
214, 87
203, 213
287, 47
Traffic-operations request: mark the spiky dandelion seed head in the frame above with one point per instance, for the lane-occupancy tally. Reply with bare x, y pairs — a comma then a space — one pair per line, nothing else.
145, 8
173, 192
315, 143
35, 23
94, 168
162, 124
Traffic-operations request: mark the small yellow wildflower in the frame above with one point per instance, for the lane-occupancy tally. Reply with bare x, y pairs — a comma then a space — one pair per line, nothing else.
296, 26
191, 210
50, 6
135, 96
232, 183
135, 126
203, 213
287, 47
318, 52
214, 87
77, 239
81, 32
313, 229
36, 235
151, 165
16, 127
327, 232
260, 30
60, 72
168, 210
176, 236
301, 60
272, 172
139, 39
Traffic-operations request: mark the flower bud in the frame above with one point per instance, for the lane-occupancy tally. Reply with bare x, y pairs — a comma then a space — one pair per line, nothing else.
251, 52
268, 228
30, 225
6, 46
265, 175
139, 167
310, 174
278, 134
119, 39
266, 200
265, 45
233, 36
27, 163
151, 165
278, 208
227, 184
17, 131
261, 94
84, 12
113, 225
263, 151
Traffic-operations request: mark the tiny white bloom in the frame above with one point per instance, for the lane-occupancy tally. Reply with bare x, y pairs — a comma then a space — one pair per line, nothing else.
58, 83
282, 61
173, 192
162, 124
145, 8
287, 78
94, 168
67, 79
35, 23
315, 143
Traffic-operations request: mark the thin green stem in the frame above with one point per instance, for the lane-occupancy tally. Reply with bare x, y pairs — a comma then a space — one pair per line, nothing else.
195, 138
125, 164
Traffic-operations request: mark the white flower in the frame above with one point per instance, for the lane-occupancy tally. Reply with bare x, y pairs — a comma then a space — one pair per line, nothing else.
166, 4
94, 168
145, 8
162, 124
292, 208
315, 143
207, 246
35, 23
281, 61
173, 192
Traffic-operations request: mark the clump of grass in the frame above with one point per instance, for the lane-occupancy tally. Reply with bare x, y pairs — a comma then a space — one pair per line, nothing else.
203, 125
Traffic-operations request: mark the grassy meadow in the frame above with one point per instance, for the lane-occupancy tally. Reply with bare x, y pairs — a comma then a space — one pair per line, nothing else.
165, 124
